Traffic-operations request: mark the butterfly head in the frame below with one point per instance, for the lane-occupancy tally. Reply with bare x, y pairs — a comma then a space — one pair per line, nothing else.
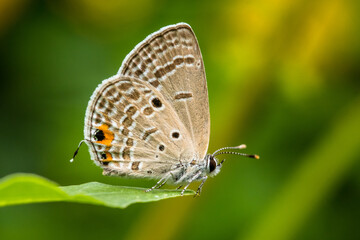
212, 163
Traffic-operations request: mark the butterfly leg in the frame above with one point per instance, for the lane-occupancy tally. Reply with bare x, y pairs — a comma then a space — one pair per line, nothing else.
179, 187
162, 184
159, 184
196, 175
200, 186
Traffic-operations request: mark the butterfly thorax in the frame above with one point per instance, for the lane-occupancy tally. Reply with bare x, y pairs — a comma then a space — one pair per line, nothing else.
195, 170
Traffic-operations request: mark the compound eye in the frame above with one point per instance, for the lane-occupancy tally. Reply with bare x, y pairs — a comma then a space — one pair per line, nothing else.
212, 164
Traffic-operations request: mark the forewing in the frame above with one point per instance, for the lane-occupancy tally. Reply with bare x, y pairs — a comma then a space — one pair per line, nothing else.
170, 60
132, 130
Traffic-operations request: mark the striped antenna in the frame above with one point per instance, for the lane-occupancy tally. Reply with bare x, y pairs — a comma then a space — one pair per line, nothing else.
242, 146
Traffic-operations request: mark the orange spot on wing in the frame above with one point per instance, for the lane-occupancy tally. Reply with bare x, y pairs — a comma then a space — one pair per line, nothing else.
109, 136
108, 157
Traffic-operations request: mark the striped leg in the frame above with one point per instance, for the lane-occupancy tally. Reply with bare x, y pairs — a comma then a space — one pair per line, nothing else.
160, 183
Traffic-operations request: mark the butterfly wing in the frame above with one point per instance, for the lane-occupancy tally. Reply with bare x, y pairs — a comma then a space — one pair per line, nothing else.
170, 60
132, 130
154, 114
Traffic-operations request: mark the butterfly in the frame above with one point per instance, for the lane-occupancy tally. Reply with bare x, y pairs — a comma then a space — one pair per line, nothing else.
152, 120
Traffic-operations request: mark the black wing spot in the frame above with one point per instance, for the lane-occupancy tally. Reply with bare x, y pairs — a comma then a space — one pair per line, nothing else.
161, 147
156, 103
175, 134
99, 135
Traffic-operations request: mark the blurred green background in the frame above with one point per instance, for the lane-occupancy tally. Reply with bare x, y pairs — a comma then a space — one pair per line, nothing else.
283, 77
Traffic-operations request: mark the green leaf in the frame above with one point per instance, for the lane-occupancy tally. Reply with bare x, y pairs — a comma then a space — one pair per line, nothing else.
30, 188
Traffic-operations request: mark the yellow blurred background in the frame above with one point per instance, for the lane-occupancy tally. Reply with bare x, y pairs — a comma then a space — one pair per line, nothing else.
283, 78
